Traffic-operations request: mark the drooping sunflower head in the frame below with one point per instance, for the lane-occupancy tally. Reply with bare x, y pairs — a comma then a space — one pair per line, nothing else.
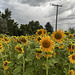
23, 40
72, 58
19, 48
47, 44
71, 72
5, 65
58, 36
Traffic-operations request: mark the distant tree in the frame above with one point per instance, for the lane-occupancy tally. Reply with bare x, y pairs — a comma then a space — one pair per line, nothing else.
33, 26
3, 24
12, 27
7, 14
24, 29
15, 28
49, 27
71, 30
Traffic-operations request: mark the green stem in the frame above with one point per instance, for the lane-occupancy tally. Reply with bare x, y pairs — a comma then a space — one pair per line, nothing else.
3, 63
23, 64
47, 66
46, 70
69, 67
9, 51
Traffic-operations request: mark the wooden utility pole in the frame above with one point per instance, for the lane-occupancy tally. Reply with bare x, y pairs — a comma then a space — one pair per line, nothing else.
56, 14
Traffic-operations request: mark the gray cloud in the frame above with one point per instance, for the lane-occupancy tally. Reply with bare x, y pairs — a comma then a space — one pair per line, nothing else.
33, 2
24, 11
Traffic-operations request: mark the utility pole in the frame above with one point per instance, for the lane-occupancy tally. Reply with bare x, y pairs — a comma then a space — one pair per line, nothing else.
56, 14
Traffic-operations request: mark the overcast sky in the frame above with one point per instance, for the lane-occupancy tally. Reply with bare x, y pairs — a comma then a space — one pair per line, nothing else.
24, 11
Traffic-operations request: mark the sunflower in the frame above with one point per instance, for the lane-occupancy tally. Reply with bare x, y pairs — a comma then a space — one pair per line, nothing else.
70, 36
0, 44
47, 44
72, 58
61, 46
54, 54
18, 41
5, 39
71, 48
23, 40
39, 32
5, 65
19, 48
38, 39
47, 55
1, 47
33, 38
71, 72
44, 31
38, 54
58, 36
43, 63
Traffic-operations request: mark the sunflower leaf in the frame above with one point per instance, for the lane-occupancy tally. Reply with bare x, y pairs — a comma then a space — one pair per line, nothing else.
17, 70
19, 56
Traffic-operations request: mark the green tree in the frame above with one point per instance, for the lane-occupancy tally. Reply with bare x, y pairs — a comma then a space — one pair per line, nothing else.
7, 14
24, 29
3, 24
33, 26
12, 27
49, 27
15, 28
71, 30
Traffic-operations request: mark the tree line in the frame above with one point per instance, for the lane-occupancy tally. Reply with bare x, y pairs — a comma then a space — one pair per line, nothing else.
10, 27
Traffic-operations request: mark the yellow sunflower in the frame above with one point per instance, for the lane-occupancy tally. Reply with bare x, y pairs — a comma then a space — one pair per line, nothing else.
58, 36
47, 44
38, 39
72, 58
39, 32
19, 48
1, 47
71, 48
38, 54
44, 31
23, 40
70, 36
54, 54
5, 39
47, 55
5, 65
43, 63
71, 72
0, 44
61, 46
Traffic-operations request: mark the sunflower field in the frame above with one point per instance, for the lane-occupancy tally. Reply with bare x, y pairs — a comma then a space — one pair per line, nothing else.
38, 54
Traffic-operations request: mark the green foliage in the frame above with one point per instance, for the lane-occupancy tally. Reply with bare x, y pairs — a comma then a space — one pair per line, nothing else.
49, 27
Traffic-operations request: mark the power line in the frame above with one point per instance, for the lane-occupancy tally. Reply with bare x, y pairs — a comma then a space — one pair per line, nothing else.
56, 13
